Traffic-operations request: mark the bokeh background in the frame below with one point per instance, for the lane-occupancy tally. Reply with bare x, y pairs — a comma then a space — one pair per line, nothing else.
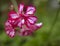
47, 11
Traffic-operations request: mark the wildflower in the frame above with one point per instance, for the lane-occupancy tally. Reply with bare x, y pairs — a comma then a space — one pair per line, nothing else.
24, 19
25, 31
9, 29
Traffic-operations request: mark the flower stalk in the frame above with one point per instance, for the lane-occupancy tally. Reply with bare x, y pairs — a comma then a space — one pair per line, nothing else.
53, 24
55, 20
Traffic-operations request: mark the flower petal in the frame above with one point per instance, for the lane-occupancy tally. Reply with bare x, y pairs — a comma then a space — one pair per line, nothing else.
13, 22
38, 25
30, 10
34, 27
20, 8
11, 33
25, 31
32, 19
21, 22
9, 29
12, 14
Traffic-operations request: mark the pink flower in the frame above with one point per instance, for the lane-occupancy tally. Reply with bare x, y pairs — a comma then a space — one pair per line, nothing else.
9, 29
25, 31
23, 19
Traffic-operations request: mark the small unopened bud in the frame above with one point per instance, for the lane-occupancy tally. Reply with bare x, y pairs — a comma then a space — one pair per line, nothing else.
11, 7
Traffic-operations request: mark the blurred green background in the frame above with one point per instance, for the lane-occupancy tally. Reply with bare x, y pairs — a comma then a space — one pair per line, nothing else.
47, 11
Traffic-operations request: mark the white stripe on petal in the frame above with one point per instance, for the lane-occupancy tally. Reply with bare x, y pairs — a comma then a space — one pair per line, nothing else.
33, 18
31, 21
14, 16
22, 21
12, 33
21, 6
19, 24
30, 10
38, 24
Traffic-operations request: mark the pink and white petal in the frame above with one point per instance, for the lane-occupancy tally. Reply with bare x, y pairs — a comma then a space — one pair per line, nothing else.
27, 24
11, 21
39, 24
20, 8
21, 22
34, 27
30, 10
32, 19
11, 33
9, 30
7, 23
22, 32
25, 31
12, 14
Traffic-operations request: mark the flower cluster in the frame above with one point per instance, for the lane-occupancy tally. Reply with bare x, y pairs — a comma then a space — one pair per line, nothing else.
24, 19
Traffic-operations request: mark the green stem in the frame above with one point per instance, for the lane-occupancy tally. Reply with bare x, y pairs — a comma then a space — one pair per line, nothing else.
15, 5
54, 22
